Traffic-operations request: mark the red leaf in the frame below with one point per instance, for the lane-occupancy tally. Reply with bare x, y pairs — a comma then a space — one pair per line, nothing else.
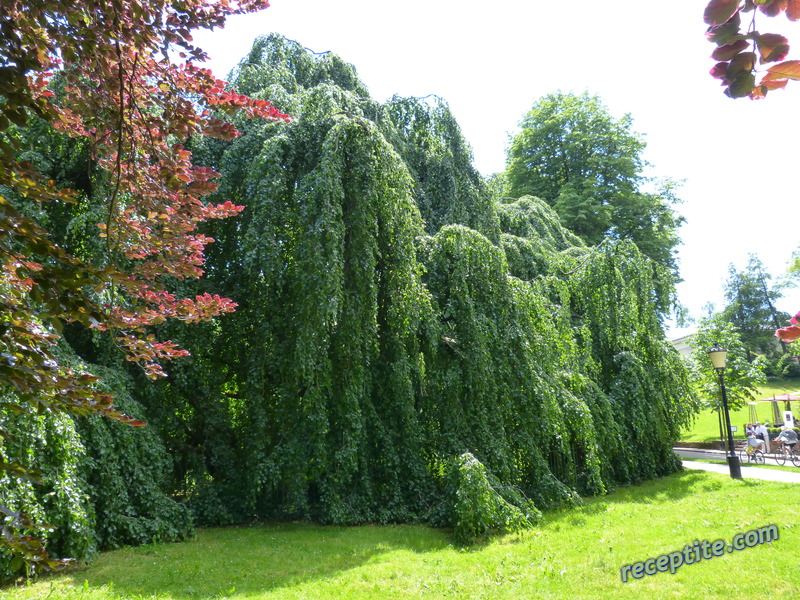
774, 84
785, 70
729, 51
719, 70
719, 11
774, 8
727, 33
741, 85
771, 47
793, 10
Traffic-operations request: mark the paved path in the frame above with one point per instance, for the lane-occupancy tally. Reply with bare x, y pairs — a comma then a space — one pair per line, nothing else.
747, 472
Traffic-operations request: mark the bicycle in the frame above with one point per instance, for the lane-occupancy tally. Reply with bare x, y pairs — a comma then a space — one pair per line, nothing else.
784, 453
756, 456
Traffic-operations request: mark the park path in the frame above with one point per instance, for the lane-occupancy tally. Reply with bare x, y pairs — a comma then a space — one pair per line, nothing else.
747, 472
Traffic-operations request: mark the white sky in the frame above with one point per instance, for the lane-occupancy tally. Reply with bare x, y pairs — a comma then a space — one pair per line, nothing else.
492, 61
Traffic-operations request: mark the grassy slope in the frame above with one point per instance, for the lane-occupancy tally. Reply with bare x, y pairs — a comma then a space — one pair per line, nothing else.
706, 425
573, 554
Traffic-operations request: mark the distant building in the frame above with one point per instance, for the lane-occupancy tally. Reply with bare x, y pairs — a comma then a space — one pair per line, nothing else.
683, 344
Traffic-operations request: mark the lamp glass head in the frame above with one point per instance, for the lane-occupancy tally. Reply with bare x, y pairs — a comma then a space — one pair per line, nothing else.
719, 357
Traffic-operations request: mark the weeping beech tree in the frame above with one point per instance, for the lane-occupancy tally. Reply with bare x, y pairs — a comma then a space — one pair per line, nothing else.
404, 349
447, 188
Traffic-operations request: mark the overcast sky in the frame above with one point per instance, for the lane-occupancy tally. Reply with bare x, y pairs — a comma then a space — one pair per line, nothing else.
492, 61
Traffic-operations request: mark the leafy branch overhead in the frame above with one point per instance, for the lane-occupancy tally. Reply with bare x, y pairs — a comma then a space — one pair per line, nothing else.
101, 75
741, 47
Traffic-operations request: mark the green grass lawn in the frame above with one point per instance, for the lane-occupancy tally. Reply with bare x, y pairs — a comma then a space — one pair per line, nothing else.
574, 554
706, 424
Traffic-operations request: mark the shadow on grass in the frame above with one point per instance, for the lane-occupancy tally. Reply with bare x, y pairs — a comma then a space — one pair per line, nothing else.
244, 562
247, 561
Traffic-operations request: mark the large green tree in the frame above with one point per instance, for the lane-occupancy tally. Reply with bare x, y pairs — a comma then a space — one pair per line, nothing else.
366, 358
587, 164
751, 308
373, 373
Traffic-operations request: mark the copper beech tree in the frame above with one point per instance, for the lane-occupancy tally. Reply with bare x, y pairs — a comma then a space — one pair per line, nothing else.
130, 85
740, 46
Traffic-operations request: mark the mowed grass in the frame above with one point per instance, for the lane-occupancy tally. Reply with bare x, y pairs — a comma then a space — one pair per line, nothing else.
706, 425
573, 554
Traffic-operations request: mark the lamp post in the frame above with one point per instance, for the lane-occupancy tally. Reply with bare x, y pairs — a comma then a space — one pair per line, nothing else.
719, 359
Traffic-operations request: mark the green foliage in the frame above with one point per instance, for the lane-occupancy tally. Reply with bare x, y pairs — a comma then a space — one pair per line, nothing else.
91, 483
587, 165
751, 308
448, 189
533, 238
125, 470
365, 355
574, 155
53, 493
646, 384
787, 366
742, 377
482, 505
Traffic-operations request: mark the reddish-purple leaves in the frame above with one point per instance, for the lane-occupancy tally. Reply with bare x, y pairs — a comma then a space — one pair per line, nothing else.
771, 47
719, 11
785, 70
793, 10
736, 66
741, 85
719, 70
727, 33
728, 51
772, 8
744, 61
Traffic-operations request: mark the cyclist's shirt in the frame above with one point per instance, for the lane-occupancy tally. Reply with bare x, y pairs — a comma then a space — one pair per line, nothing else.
789, 437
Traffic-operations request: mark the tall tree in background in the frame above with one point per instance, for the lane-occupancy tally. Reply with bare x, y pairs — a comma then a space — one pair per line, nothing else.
573, 154
751, 308
101, 72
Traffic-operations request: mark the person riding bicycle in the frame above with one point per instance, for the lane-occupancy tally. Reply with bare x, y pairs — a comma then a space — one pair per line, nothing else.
788, 437
753, 443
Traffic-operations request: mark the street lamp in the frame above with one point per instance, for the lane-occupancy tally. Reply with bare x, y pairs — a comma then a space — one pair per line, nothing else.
719, 358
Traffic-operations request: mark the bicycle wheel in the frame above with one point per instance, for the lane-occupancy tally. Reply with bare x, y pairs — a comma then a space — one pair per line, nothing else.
780, 457
795, 458
744, 456
758, 457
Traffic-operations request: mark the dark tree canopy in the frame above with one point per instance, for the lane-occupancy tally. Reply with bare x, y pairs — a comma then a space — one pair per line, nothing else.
573, 154
367, 358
